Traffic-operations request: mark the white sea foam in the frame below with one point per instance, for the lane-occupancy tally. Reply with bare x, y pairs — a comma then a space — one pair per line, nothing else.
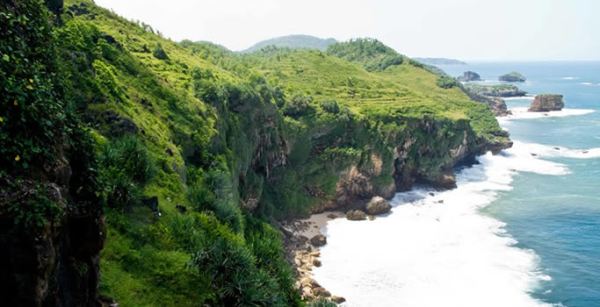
569, 78
590, 84
522, 113
527, 97
438, 250
558, 151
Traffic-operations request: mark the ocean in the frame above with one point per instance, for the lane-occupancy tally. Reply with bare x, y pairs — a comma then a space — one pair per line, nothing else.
521, 229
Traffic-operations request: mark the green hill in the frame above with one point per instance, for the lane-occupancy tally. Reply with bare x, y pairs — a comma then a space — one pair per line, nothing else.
294, 42
179, 159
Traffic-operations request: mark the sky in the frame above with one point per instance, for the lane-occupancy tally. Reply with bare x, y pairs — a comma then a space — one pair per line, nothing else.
461, 29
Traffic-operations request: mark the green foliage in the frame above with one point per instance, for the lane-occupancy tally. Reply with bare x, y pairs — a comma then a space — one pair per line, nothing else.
330, 106
369, 52
299, 106
125, 166
446, 82
33, 116
29, 203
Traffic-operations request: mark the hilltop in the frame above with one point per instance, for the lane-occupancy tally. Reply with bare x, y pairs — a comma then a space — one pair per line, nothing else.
294, 42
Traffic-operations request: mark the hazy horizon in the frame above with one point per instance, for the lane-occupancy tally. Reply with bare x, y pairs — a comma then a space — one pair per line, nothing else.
471, 30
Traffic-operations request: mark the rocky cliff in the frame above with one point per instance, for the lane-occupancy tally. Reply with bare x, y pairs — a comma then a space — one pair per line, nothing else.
546, 103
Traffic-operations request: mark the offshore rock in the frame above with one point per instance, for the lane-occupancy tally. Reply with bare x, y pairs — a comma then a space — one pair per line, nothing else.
469, 76
546, 103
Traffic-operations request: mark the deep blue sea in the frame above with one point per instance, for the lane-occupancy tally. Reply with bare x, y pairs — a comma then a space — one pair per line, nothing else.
521, 229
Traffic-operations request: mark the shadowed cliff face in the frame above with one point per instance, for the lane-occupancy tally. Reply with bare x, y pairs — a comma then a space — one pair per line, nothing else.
51, 224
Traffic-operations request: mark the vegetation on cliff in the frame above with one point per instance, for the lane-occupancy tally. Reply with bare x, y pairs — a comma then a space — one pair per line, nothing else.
195, 152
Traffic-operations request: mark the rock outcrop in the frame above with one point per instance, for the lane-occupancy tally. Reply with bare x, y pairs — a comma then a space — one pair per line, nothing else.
356, 215
512, 77
546, 103
469, 76
378, 205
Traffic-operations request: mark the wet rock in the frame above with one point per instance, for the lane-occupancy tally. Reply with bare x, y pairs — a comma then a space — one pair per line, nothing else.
318, 240
356, 215
337, 299
378, 205
321, 292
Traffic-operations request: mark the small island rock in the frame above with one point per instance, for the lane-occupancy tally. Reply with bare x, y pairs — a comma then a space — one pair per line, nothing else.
469, 76
378, 205
546, 103
512, 77
356, 215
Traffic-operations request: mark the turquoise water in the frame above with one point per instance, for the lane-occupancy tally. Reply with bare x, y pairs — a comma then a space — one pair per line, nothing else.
558, 217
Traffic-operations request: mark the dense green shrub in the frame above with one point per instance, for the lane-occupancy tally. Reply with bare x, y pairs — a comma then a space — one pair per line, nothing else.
330, 106
299, 106
33, 115
125, 166
446, 82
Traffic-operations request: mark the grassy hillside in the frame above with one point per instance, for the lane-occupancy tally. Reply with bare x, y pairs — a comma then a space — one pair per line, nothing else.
199, 151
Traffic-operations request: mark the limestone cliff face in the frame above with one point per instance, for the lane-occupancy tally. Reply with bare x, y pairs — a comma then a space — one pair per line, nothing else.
546, 103
426, 153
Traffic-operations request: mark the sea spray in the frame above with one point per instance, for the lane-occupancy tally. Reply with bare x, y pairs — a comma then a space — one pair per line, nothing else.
436, 248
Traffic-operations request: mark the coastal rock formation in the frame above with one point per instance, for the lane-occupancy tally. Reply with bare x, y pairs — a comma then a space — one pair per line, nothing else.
498, 106
356, 215
378, 205
469, 76
546, 103
512, 77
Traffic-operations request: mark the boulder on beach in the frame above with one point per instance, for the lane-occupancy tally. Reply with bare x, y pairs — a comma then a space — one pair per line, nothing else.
318, 240
546, 103
469, 76
356, 215
378, 205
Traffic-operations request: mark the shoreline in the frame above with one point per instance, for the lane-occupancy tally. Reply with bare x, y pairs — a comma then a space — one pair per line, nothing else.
303, 239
